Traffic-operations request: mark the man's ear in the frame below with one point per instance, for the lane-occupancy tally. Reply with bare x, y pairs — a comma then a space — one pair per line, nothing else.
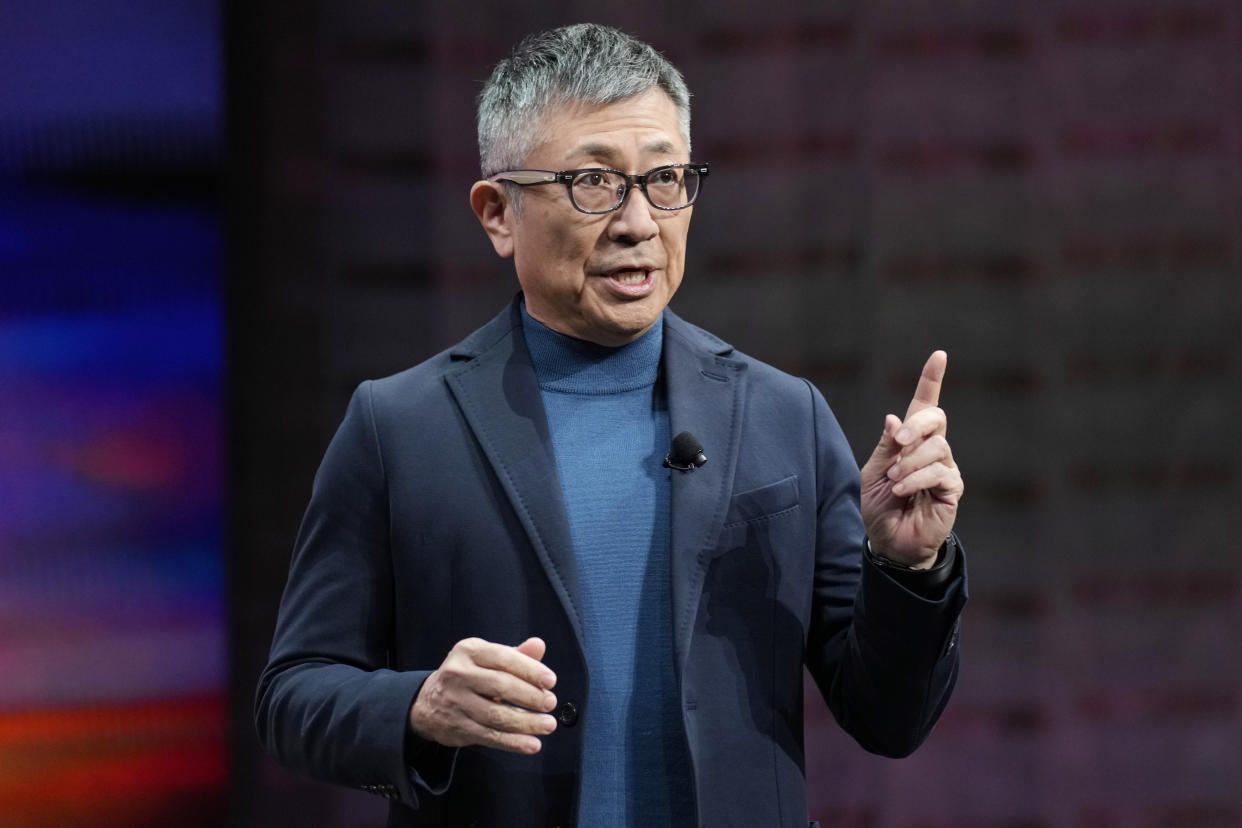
492, 206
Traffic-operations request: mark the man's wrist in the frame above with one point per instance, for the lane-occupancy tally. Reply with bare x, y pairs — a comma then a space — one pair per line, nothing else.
923, 581
890, 563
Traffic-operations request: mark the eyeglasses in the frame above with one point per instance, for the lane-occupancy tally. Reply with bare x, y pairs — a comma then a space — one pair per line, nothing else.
595, 191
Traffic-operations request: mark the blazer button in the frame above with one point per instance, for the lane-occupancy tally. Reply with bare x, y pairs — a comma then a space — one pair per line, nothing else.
567, 714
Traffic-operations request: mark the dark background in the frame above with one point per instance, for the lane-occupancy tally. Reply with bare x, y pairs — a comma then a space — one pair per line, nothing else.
1052, 192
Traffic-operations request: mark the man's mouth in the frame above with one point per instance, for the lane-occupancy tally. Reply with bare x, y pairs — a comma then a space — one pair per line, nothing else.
635, 281
630, 277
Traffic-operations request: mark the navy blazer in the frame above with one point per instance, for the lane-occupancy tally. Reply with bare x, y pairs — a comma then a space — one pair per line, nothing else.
437, 515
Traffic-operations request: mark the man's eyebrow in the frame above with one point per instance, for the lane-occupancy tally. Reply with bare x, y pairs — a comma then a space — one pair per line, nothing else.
661, 147
597, 151
609, 154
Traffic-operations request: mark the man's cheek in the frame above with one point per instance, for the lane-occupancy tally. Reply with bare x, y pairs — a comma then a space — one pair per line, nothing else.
571, 246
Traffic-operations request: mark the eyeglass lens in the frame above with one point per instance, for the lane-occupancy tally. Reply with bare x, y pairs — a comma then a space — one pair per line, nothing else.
601, 191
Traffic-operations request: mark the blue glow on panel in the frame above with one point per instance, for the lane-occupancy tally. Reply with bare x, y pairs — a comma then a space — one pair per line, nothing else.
141, 346
66, 59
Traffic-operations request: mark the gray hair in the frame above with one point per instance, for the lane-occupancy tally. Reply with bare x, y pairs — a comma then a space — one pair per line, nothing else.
585, 62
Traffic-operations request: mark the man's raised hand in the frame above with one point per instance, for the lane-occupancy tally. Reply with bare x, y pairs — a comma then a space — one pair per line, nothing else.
488, 694
910, 485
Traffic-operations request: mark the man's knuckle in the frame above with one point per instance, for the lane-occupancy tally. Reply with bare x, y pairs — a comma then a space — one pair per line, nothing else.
494, 686
450, 673
496, 717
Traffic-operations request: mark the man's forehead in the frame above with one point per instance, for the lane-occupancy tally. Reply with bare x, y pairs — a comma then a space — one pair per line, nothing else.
582, 129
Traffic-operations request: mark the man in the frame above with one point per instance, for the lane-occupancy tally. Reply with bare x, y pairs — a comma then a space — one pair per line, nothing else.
505, 609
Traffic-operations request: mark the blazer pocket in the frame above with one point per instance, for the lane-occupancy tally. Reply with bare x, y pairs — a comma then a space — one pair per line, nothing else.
763, 503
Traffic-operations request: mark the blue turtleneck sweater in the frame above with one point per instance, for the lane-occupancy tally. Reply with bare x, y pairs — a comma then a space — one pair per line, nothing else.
610, 431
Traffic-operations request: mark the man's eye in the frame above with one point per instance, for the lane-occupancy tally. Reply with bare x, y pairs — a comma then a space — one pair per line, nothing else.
667, 177
592, 179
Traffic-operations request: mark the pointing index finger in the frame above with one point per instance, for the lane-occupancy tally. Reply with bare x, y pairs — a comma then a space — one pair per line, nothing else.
927, 393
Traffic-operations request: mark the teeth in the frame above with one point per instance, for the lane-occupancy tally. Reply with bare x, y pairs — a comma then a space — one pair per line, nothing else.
631, 277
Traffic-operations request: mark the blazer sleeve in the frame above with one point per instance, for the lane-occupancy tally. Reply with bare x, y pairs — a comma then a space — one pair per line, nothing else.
327, 704
883, 656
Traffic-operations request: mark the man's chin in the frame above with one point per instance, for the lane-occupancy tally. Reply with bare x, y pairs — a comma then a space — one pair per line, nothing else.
617, 333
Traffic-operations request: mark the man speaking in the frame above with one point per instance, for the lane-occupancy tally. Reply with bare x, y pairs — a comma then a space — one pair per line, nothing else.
569, 571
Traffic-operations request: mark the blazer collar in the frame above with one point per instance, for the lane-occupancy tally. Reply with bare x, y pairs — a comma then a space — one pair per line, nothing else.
498, 394
706, 391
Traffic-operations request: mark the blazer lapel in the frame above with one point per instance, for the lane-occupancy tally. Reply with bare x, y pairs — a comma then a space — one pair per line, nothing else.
499, 396
705, 391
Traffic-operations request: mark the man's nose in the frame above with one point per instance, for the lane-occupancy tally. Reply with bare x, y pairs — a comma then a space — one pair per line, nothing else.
634, 221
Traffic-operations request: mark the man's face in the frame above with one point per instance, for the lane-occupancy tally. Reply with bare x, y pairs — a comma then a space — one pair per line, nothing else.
603, 278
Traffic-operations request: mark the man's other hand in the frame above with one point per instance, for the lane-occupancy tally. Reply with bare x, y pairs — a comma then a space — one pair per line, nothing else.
911, 486
488, 694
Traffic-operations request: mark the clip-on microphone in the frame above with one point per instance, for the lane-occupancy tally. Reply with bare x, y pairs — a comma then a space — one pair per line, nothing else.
687, 453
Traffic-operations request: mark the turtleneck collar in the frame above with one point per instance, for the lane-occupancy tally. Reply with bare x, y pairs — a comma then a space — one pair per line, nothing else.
574, 366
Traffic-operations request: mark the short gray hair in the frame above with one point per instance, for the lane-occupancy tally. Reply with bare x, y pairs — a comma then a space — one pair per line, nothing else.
586, 63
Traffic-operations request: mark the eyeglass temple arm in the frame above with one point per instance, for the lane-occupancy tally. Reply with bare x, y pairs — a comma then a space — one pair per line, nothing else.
523, 177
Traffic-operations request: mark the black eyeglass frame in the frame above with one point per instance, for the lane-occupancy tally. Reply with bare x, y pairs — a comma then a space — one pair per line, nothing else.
530, 178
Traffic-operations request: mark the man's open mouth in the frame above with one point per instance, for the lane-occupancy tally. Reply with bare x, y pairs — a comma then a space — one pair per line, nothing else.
630, 276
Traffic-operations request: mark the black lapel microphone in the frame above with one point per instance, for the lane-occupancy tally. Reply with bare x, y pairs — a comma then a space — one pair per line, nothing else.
687, 453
